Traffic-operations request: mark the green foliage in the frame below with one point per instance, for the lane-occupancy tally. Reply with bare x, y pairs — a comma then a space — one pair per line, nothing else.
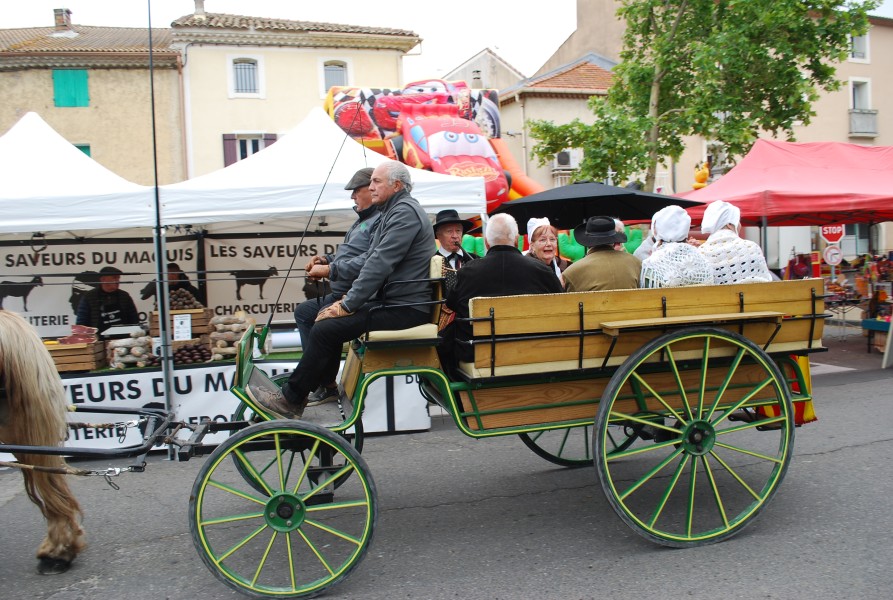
724, 70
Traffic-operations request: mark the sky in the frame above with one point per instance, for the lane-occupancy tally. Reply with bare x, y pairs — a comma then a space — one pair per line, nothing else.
525, 33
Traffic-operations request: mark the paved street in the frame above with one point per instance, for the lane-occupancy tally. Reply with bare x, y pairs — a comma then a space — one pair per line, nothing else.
488, 519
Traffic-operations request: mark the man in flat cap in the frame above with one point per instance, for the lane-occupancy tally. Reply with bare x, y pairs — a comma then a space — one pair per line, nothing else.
341, 268
107, 305
603, 267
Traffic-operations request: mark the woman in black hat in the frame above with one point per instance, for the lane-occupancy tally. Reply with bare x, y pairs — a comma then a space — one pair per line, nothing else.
603, 268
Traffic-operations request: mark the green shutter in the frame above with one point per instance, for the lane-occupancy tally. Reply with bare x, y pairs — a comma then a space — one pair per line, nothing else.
70, 87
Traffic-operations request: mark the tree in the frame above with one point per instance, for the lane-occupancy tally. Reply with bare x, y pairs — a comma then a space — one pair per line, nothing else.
720, 69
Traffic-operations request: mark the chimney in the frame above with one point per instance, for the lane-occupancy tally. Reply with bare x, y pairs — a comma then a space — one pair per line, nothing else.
200, 8
63, 19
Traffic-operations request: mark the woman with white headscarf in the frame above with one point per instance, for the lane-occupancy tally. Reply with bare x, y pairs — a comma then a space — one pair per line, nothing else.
542, 237
734, 260
673, 262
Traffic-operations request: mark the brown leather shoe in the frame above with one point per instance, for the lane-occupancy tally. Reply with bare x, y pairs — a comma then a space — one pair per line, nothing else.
274, 402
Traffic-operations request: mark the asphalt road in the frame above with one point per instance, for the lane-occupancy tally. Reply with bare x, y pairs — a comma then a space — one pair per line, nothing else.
488, 519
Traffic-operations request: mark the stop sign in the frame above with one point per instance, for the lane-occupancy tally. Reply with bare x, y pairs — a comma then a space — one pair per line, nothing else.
832, 233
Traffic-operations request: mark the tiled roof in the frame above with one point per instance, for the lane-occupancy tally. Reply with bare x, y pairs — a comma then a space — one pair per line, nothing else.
223, 21
583, 75
586, 76
88, 39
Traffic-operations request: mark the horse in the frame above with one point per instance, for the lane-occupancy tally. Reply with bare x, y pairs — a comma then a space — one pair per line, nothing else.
32, 413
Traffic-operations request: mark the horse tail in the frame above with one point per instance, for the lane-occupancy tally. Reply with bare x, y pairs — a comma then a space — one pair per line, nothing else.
51, 493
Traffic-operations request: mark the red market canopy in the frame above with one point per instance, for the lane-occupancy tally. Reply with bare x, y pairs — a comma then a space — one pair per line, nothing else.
815, 183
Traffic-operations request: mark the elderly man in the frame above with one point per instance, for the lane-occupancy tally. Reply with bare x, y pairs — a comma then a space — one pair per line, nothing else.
734, 260
448, 230
341, 268
400, 250
504, 271
603, 268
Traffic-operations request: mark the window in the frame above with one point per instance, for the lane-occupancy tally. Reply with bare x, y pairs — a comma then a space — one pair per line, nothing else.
861, 94
333, 73
855, 239
70, 88
245, 76
239, 146
85, 148
859, 48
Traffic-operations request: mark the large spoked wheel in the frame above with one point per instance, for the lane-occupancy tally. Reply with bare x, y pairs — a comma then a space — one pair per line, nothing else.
354, 435
299, 535
707, 457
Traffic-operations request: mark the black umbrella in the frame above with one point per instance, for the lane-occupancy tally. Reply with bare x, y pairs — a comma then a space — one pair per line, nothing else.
569, 205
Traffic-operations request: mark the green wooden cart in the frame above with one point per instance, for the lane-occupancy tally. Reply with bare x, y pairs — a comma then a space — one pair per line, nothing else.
685, 401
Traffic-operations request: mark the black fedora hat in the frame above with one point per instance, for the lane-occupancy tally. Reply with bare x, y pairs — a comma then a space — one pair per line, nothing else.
449, 215
598, 231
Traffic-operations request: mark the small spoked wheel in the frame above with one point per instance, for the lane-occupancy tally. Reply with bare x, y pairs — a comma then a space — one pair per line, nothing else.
714, 437
298, 535
354, 435
572, 446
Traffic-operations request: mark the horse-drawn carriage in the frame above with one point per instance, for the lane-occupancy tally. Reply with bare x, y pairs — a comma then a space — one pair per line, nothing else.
684, 399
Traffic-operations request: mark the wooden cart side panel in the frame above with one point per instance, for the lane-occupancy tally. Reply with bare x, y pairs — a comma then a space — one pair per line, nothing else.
561, 312
541, 403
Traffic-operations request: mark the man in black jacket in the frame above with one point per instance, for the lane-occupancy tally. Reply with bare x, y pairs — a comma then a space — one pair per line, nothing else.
504, 271
107, 305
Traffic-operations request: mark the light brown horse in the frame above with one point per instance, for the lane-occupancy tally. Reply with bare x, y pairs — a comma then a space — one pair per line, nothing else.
32, 413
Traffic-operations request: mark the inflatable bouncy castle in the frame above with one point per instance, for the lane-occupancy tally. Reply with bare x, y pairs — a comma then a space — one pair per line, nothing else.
442, 126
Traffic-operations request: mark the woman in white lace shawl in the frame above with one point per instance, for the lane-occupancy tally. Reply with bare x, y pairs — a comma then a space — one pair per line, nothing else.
673, 262
734, 260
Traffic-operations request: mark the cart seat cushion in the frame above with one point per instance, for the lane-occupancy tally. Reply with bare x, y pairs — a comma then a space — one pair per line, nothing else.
419, 332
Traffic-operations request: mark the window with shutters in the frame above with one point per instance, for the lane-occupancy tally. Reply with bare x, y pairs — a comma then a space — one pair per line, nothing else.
333, 73
859, 48
245, 76
70, 88
239, 146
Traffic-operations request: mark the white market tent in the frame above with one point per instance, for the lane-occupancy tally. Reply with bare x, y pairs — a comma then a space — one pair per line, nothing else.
50, 185
304, 172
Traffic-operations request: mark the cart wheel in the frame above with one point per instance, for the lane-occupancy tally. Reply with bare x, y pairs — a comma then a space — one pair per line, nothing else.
297, 537
354, 437
572, 446
708, 465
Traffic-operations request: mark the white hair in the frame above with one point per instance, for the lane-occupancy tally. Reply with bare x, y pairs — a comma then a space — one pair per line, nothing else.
397, 171
502, 230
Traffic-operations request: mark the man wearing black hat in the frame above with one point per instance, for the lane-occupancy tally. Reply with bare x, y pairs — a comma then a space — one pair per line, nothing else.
341, 268
106, 305
603, 268
448, 230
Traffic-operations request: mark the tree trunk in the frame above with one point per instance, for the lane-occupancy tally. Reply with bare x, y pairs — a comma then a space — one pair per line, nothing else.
654, 132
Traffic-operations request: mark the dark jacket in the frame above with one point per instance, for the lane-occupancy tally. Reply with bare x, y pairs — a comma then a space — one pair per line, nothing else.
504, 271
103, 310
401, 249
346, 262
